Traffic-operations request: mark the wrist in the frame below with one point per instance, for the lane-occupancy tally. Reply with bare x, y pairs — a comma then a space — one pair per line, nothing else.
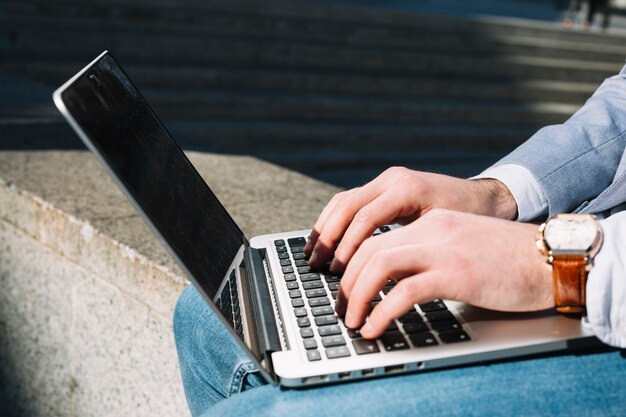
495, 199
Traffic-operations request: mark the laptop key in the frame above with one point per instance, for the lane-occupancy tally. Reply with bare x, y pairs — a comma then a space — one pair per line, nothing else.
314, 293
287, 269
312, 276
313, 355
394, 340
295, 294
299, 255
317, 302
292, 285
423, 339
415, 327
337, 352
454, 336
334, 294
297, 249
353, 333
296, 241
300, 312
309, 285
365, 346
290, 277
304, 322
336, 340
322, 311
285, 262
281, 249
225, 293
279, 242
434, 305
329, 330
297, 302
333, 286
446, 325
411, 316
439, 315
331, 278
283, 255
304, 270
310, 344
325, 320
306, 332
301, 262
392, 326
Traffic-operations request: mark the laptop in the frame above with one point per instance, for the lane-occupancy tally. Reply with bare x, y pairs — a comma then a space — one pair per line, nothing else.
277, 308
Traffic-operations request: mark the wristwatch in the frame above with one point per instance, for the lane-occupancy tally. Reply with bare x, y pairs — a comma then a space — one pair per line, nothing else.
570, 242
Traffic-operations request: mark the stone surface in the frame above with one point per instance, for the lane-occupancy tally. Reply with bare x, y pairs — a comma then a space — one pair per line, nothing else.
88, 292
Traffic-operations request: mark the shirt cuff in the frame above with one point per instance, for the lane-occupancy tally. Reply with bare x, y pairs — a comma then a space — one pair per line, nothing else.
606, 286
526, 190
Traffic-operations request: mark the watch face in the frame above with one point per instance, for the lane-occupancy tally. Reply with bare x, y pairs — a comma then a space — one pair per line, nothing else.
571, 232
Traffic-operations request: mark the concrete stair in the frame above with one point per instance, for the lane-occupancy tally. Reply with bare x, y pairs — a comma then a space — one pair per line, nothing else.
336, 92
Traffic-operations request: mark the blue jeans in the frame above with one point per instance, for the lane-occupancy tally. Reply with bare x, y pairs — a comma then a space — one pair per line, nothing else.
220, 380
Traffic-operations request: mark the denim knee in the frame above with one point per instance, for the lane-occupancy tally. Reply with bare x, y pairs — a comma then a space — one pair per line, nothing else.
189, 305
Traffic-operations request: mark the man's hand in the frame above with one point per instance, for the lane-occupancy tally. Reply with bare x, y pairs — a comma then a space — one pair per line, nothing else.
398, 195
486, 262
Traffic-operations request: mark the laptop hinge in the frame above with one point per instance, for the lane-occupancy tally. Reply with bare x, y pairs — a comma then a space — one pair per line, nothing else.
265, 319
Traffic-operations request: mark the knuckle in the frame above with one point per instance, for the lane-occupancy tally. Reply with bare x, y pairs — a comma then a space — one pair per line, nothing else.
379, 262
441, 218
364, 215
395, 171
409, 288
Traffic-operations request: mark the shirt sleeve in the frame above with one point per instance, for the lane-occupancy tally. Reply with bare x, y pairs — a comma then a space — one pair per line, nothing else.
529, 196
606, 285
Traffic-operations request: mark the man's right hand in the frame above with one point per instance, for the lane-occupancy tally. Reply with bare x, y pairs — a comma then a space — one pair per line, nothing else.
398, 195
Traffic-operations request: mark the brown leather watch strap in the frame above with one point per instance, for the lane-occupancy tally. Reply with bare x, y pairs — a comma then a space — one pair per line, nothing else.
570, 280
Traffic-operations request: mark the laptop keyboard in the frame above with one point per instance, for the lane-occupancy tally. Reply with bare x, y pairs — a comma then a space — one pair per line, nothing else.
228, 303
313, 296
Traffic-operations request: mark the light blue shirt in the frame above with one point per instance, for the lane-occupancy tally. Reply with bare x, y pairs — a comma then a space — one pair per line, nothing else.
582, 163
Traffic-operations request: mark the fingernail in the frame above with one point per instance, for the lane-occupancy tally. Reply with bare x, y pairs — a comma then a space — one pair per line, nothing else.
334, 265
349, 320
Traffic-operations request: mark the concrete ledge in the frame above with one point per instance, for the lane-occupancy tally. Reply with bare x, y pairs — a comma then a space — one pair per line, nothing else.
88, 292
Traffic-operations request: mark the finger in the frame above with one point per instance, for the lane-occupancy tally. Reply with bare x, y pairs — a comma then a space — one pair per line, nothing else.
368, 248
379, 212
319, 224
409, 291
392, 263
338, 221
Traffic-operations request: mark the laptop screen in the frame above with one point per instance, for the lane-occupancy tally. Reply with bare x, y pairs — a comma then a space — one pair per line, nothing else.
155, 172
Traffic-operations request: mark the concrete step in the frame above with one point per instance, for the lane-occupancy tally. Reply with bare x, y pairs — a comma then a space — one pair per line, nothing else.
252, 27
254, 137
237, 54
317, 108
178, 78
300, 15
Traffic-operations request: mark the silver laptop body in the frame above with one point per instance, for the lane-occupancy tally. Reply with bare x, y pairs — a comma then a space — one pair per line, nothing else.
252, 285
